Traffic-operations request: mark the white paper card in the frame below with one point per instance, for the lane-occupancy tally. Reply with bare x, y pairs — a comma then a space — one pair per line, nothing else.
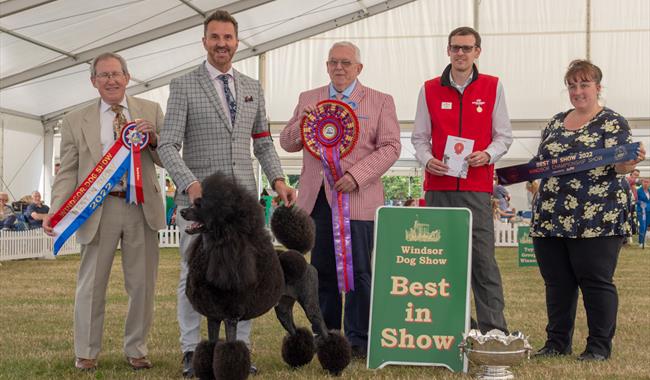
456, 150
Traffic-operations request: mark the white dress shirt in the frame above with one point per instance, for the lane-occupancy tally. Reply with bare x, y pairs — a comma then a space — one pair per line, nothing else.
218, 85
106, 117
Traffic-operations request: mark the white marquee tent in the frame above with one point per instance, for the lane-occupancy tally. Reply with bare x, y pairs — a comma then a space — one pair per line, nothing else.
46, 45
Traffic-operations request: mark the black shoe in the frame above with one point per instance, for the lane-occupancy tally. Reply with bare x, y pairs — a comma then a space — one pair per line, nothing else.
253, 369
547, 352
188, 371
359, 352
591, 357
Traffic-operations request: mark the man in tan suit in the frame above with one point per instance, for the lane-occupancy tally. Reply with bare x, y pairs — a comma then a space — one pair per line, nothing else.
86, 135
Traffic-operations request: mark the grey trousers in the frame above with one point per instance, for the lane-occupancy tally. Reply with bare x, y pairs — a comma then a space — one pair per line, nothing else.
189, 320
486, 278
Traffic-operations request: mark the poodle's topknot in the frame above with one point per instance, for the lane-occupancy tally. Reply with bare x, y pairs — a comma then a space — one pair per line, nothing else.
293, 227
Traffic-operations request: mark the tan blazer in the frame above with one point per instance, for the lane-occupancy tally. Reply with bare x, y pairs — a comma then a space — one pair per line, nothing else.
81, 150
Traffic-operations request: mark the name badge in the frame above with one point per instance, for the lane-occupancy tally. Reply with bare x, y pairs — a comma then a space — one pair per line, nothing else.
445, 105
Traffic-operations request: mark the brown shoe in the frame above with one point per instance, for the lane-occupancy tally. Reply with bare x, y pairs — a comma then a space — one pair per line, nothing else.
85, 364
139, 363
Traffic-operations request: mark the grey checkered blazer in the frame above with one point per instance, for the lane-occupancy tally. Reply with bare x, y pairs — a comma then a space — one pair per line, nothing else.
195, 120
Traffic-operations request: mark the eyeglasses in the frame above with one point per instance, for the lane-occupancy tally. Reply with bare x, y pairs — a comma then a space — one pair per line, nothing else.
333, 63
465, 48
106, 76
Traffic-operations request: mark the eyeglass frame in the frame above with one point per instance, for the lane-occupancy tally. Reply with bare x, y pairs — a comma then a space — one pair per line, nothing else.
465, 48
333, 63
107, 76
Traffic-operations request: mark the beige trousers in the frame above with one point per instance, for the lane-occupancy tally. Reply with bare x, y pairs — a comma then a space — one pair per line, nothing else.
139, 245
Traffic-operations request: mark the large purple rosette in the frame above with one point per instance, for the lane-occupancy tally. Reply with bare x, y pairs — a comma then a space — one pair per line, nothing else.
329, 135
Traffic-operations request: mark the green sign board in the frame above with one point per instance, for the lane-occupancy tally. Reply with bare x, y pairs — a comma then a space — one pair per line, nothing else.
526, 251
420, 294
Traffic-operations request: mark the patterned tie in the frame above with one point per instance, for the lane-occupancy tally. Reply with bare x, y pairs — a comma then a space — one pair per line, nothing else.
232, 105
118, 123
339, 96
119, 120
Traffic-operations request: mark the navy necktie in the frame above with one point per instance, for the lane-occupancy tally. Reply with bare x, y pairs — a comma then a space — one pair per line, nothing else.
232, 105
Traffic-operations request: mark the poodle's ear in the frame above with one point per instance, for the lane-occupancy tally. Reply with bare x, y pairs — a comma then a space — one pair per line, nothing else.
294, 228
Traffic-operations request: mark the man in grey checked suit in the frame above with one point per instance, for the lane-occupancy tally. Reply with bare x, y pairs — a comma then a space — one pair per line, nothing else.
213, 112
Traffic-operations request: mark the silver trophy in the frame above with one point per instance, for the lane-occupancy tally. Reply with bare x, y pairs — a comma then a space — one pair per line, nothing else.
494, 352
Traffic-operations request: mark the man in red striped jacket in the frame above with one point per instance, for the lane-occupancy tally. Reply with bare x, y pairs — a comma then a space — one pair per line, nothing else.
377, 149
463, 103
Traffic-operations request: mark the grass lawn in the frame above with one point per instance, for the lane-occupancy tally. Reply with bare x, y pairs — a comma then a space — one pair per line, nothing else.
36, 309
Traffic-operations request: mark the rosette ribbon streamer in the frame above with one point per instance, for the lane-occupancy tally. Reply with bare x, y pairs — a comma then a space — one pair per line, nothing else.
329, 135
123, 156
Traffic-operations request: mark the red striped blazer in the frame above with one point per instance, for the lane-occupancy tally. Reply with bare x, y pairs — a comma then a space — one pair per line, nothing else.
376, 150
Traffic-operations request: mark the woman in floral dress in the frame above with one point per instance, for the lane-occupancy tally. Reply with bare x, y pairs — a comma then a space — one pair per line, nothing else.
580, 220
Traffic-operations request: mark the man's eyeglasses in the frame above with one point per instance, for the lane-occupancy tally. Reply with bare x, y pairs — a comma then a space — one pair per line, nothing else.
465, 48
106, 76
333, 63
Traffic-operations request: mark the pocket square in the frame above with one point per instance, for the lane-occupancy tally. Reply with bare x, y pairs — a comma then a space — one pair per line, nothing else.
248, 99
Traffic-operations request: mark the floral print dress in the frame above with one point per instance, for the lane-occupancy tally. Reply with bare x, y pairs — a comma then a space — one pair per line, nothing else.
589, 203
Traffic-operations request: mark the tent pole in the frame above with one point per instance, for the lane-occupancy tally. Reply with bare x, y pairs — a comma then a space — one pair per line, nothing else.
588, 30
477, 3
48, 155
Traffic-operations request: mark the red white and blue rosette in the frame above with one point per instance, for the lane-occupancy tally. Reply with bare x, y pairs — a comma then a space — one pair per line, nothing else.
122, 157
329, 134
134, 141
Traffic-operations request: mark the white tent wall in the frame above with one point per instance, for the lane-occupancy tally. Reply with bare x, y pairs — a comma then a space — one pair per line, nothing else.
23, 169
527, 43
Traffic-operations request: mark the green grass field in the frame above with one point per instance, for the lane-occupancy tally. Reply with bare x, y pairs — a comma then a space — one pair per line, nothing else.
36, 308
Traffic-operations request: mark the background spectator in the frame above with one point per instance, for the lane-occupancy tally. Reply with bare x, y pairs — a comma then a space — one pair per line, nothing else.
170, 206
642, 207
506, 215
36, 211
633, 180
531, 192
501, 194
410, 203
7, 216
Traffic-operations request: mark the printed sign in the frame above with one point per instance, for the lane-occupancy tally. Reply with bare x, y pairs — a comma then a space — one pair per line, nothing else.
526, 250
420, 294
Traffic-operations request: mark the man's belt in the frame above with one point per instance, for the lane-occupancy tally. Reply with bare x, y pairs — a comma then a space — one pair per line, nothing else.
118, 194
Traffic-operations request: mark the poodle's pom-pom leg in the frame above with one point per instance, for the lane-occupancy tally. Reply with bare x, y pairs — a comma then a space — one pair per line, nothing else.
293, 228
232, 361
202, 360
334, 352
298, 349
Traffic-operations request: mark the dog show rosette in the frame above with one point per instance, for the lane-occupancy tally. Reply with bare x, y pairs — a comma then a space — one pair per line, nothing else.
329, 134
122, 157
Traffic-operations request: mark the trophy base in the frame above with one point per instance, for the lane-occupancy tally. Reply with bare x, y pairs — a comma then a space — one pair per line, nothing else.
491, 372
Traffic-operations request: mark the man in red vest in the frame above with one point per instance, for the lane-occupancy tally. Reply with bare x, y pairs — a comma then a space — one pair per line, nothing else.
463, 103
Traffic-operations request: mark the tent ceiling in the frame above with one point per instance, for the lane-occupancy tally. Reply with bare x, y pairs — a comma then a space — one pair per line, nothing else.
47, 46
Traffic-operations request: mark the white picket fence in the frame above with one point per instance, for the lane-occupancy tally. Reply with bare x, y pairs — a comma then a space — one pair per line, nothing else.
505, 234
31, 244
15, 245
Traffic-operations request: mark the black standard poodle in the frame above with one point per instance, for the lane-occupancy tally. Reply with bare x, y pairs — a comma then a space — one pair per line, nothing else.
236, 274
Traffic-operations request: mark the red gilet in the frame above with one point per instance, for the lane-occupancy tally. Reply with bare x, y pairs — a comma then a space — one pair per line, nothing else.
467, 115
